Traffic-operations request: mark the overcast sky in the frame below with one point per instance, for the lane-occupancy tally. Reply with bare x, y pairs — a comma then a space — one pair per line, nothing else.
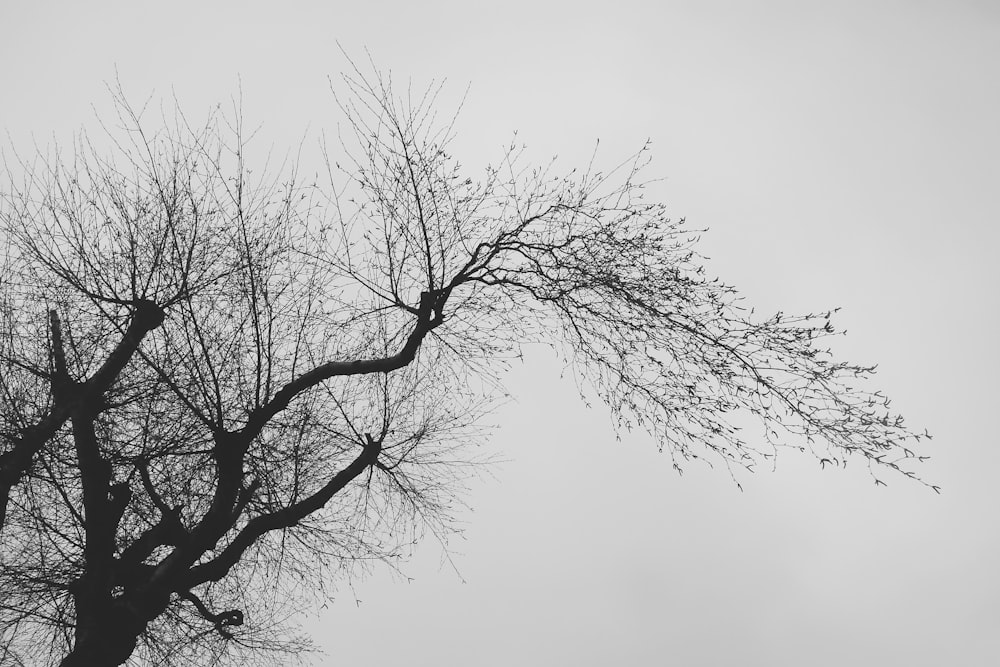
842, 154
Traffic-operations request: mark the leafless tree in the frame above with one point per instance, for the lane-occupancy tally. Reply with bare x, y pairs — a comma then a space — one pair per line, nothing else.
220, 384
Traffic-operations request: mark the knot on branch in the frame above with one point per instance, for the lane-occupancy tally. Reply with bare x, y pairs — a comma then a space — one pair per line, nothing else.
231, 617
373, 447
148, 315
221, 621
431, 308
229, 447
227, 619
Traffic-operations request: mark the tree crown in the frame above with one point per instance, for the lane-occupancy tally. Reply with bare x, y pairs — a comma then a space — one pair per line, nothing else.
218, 382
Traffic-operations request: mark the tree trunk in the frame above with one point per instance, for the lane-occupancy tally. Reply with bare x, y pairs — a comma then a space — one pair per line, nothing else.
107, 636
105, 647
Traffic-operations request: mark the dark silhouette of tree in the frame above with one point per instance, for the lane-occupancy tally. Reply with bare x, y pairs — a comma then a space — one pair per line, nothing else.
218, 385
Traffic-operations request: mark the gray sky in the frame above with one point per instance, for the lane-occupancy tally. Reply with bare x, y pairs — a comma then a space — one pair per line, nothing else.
843, 154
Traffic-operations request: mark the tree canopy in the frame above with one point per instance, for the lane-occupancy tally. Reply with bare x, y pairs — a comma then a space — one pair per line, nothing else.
221, 382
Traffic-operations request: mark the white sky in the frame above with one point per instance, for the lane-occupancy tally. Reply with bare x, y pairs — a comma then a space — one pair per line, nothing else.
842, 153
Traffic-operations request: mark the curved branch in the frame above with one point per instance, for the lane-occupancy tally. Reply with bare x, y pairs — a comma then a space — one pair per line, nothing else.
221, 621
219, 566
429, 315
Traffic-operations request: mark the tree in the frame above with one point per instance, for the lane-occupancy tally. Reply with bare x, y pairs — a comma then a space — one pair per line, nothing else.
217, 384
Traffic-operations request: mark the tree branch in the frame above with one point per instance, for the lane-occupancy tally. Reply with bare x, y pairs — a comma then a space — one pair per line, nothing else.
221, 621
219, 566
19, 457
429, 315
